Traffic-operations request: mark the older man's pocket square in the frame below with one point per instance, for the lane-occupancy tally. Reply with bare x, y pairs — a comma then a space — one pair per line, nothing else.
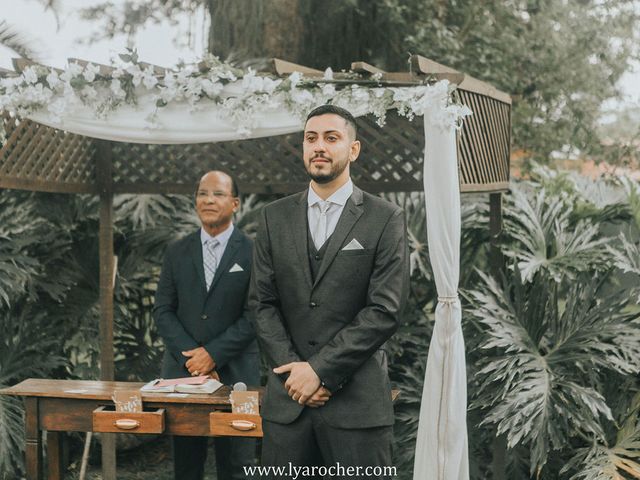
236, 268
353, 245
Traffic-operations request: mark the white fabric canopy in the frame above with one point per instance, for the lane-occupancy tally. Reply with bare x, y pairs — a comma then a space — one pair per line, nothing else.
173, 124
441, 447
176, 125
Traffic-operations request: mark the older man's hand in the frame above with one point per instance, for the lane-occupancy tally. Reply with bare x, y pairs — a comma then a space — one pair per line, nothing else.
200, 362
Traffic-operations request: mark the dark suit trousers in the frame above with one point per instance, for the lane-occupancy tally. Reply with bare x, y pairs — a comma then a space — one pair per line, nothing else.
232, 453
309, 440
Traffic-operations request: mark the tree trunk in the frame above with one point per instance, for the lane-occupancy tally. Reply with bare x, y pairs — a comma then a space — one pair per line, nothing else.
319, 34
249, 29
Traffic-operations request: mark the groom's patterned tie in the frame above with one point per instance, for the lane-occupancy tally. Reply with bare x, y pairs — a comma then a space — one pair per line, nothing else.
210, 260
321, 228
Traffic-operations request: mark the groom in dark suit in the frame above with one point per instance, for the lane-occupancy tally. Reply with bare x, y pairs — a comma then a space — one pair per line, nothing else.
200, 313
330, 277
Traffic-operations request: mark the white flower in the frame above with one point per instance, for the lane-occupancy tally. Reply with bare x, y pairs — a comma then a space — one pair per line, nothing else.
359, 94
183, 75
402, 94
57, 108
269, 85
5, 101
136, 73
29, 75
329, 89
32, 96
170, 81
89, 92
90, 71
168, 94
53, 79
295, 79
328, 74
72, 70
10, 84
117, 73
251, 83
378, 92
228, 74
301, 96
149, 79
193, 87
117, 90
212, 89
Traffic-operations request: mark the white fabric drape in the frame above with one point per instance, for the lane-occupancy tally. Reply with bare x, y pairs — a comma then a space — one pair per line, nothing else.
173, 124
441, 447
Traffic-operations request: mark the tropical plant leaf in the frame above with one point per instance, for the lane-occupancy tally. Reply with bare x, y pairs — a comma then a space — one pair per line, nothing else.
542, 238
538, 381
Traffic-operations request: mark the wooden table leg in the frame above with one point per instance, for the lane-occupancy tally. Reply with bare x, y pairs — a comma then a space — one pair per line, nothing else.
108, 456
33, 444
55, 463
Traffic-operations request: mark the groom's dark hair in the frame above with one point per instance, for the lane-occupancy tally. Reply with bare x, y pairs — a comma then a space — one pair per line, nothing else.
341, 112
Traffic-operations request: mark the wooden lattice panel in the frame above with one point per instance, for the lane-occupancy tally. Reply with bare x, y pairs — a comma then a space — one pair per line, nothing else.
484, 144
391, 157
36, 157
391, 160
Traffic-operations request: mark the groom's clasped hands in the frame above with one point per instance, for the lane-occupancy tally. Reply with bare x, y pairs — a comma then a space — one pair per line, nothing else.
303, 384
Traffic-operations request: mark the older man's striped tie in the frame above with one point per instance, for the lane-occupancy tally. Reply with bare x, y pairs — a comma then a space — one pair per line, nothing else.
210, 260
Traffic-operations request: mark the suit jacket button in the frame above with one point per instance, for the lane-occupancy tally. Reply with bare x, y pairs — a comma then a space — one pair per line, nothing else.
317, 257
313, 304
203, 317
313, 343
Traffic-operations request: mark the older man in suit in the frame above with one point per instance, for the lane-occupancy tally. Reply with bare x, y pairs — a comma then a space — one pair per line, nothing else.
330, 277
200, 313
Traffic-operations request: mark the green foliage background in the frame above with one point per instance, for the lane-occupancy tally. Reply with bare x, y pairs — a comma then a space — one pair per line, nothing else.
553, 342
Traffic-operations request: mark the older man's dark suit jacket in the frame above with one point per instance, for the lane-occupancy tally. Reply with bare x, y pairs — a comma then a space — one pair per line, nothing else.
189, 316
338, 322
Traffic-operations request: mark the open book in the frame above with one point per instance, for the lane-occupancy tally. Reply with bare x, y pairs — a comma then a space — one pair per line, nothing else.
201, 384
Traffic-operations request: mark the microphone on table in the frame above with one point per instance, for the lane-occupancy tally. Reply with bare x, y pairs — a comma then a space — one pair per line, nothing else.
240, 387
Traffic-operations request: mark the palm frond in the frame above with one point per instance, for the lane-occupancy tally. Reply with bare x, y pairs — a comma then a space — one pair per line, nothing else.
28, 348
627, 257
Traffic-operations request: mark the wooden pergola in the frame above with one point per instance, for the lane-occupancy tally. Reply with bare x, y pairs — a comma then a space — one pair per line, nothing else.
40, 158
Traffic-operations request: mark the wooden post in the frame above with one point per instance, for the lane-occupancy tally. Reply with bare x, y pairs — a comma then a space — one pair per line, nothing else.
107, 369
55, 460
33, 437
496, 264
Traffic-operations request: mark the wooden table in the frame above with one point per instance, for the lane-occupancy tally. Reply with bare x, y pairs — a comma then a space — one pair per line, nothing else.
58, 406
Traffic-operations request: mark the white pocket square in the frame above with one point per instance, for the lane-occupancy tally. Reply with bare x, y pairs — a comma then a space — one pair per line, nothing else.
236, 268
353, 245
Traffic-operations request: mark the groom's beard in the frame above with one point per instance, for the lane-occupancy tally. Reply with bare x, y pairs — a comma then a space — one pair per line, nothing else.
335, 170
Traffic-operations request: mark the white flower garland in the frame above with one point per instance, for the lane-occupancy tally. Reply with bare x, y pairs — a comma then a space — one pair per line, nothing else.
238, 93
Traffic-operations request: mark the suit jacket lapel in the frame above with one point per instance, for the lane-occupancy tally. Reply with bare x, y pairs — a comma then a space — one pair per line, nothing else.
227, 257
299, 229
196, 258
350, 214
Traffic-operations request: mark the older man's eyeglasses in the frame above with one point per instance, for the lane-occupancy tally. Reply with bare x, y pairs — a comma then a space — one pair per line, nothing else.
216, 194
